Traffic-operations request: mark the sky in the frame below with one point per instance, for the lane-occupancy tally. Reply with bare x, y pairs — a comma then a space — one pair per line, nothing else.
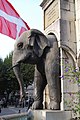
31, 12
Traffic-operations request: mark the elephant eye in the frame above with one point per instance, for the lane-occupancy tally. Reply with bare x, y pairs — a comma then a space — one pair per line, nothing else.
20, 45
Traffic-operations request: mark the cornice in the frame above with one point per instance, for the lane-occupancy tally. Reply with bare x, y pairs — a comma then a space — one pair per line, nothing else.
45, 3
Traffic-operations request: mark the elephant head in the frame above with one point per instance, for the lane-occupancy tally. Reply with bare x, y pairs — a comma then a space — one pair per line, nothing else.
28, 48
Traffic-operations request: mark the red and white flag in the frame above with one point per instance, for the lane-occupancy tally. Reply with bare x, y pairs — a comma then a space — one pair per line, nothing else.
11, 24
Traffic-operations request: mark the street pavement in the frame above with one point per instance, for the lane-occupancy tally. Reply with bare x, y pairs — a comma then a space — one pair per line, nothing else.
12, 110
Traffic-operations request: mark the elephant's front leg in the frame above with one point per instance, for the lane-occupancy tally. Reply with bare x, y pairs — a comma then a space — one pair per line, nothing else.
52, 75
39, 85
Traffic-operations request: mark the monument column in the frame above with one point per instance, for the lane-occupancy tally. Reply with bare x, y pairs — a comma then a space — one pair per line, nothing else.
59, 19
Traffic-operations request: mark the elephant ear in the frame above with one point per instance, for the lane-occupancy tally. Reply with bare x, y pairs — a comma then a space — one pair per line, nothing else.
39, 42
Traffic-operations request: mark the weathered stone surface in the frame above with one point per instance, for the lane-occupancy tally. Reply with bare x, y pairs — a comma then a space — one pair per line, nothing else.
51, 115
67, 30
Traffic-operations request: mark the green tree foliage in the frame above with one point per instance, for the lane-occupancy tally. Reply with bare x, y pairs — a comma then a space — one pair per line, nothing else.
2, 76
12, 83
7, 77
27, 71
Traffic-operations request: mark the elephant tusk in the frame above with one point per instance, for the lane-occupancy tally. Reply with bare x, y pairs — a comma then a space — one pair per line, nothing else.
12, 67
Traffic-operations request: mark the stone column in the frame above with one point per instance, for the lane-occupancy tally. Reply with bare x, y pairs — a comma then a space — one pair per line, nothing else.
59, 18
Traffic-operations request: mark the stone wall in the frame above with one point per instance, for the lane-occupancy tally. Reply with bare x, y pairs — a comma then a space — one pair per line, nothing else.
66, 26
77, 11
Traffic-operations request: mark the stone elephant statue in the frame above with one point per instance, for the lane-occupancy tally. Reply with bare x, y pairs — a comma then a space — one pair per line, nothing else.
33, 47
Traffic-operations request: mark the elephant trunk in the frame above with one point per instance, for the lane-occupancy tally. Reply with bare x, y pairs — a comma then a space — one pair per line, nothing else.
17, 72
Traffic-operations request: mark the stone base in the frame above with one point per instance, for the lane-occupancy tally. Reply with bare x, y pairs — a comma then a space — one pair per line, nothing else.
40, 115
51, 115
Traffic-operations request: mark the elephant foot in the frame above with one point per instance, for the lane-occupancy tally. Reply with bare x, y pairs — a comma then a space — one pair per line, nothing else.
37, 105
54, 105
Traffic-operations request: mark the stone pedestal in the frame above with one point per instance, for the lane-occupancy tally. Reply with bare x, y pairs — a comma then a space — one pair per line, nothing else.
40, 115
51, 115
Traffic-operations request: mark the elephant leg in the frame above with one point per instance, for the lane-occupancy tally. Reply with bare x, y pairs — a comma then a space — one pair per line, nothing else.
52, 75
39, 85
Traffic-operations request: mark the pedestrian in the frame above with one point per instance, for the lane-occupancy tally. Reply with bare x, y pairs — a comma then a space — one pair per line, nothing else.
23, 102
0, 105
0, 109
16, 102
19, 111
20, 103
30, 102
